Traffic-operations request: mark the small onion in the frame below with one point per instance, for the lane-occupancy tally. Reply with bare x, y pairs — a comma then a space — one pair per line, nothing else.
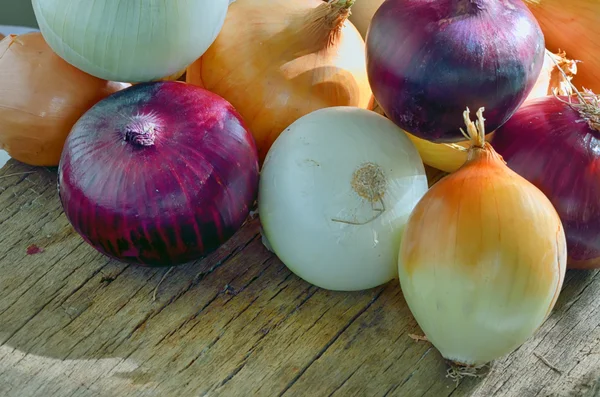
41, 97
428, 60
276, 61
335, 192
131, 41
483, 259
158, 174
553, 142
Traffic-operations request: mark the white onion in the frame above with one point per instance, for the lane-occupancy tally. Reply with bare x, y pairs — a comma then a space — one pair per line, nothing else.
132, 41
307, 182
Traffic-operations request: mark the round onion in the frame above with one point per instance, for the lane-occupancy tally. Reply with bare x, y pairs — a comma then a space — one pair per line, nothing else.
41, 97
428, 60
554, 144
278, 65
336, 190
130, 41
482, 259
158, 174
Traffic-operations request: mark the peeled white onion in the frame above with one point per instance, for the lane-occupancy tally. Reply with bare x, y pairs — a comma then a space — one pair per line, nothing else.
336, 190
130, 41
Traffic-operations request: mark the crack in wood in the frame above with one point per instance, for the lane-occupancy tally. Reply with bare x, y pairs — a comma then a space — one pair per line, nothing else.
329, 343
339, 387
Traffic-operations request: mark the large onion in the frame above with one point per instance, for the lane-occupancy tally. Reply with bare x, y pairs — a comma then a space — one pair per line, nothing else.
573, 26
482, 260
553, 142
336, 190
158, 174
41, 97
276, 61
428, 60
130, 41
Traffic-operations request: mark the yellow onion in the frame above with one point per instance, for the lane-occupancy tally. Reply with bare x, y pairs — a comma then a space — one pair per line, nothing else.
276, 61
573, 26
551, 80
41, 98
483, 258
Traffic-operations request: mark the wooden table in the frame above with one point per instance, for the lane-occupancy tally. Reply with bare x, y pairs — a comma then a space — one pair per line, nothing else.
73, 323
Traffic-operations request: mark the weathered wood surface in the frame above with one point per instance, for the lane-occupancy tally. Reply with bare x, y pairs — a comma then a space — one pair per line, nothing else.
73, 323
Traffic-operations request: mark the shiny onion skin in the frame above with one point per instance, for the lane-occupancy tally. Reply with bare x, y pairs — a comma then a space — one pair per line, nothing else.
482, 261
158, 174
428, 60
550, 143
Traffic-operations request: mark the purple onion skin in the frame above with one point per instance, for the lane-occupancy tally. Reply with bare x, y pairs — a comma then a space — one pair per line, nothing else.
429, 60
548, 143
163, 197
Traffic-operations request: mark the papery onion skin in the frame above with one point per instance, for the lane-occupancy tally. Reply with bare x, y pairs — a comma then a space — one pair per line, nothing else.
280, 65
130, 41
312, 202
177, 194
482, 260
573, 26
550, 144
428, 60
41, 98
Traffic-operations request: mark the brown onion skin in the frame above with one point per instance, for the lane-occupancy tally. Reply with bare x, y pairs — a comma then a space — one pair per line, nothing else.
552, 146
168, 203
428, 60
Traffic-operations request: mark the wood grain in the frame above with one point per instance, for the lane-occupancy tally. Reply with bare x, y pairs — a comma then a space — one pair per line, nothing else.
238, 323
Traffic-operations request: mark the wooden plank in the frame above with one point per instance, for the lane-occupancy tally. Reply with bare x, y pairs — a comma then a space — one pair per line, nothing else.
238, 323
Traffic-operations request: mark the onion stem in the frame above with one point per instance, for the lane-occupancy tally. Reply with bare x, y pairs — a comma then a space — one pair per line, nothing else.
589, 106
457, 371
328, 18
475, 131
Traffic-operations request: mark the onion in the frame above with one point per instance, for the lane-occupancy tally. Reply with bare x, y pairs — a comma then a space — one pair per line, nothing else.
482, 260
41, 97
428, 60
573, 26
131, 41
336, 190
554, 144
158, 174
275, 66
551, 80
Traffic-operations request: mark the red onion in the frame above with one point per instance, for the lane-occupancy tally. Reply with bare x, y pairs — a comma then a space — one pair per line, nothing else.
556, 146
429, 60
158, 174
